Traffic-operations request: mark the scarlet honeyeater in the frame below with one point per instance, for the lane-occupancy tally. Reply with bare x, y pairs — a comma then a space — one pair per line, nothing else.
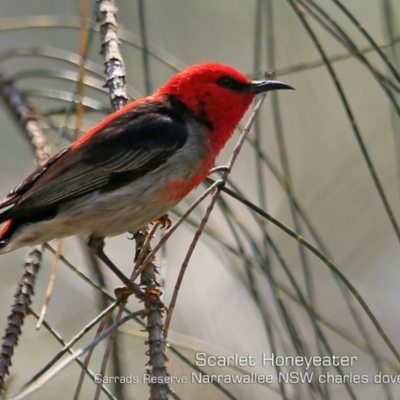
136, 164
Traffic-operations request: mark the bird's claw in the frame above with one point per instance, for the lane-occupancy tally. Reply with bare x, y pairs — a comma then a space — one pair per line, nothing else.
147, 296
122, 291
133, 235
164, 221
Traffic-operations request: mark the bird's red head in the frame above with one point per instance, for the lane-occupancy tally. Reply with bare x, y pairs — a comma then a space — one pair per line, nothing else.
218, 94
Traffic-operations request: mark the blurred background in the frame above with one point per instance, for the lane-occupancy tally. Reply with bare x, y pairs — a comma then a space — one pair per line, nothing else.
323, 160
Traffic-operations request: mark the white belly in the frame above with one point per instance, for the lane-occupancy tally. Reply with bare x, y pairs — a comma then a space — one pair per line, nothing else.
126, 209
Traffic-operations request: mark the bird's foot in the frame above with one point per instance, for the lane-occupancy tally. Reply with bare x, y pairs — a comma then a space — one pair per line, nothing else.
164, 221
96, 245
149, 295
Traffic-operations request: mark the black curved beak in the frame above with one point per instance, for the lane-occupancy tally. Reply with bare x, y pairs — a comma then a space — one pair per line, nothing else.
267, 86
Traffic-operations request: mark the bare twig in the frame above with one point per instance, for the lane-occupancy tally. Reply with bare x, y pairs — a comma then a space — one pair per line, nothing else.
143, 248
69, 344
85, 363
19, 310
155, 322
103, 302
26, 118
24, 114
83, 38
171, 348
51, 285
324, 259
38, 383
61, 341
150, 256
111, 342
114, 65
210, 207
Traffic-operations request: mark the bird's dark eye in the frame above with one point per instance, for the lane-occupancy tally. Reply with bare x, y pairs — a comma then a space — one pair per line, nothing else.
232, 84
226, 82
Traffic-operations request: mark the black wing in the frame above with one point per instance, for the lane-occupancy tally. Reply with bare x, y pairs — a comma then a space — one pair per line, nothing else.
126, 148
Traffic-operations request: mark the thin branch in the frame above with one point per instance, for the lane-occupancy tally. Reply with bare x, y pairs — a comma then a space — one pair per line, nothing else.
112, 340
51, 284
56, 369
157, 363
114, 65
324, 259
84, 367
369, 38
19, 310
69, 344
352, 120
24, 114
210, 207
139, 268
85, 363
139, 321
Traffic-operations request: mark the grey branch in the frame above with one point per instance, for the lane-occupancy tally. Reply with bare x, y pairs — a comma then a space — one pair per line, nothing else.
24, 115
114, 64
19, 310
157, 363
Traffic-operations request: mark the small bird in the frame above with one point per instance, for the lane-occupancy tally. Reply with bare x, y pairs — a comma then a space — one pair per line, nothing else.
136, 164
